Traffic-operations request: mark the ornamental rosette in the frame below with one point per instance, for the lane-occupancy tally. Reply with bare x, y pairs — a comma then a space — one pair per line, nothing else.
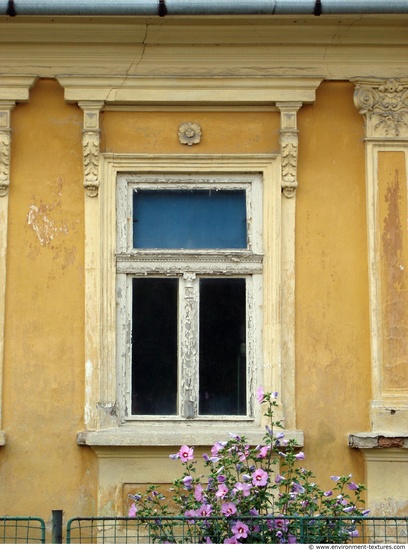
189, 133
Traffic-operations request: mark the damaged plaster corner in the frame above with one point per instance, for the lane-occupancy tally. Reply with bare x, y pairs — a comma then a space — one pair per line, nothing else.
109, 407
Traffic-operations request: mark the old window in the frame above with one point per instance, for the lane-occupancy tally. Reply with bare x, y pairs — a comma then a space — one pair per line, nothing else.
189, 289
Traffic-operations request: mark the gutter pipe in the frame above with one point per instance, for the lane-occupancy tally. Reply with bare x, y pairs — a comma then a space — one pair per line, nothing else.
162, 8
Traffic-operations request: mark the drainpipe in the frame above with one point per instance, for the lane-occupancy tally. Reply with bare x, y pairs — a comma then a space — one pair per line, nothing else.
200, 7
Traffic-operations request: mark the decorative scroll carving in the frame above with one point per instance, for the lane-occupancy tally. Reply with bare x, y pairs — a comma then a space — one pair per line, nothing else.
189, 133
289, 153
384, 105
289, 147
90, 146
5, 143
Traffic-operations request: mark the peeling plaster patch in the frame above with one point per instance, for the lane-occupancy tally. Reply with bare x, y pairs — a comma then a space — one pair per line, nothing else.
394, 280
389, 507
43, 225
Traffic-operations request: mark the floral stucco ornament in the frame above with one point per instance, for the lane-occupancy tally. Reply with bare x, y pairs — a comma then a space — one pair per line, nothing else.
189, 133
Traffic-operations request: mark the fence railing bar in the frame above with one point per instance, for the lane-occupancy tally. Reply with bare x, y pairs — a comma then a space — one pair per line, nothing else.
353, 530
22, 529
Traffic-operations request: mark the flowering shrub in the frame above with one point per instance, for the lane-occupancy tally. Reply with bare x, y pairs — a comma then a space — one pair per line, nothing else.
253, 494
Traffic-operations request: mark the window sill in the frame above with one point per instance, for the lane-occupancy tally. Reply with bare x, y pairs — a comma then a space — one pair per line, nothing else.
378, 440
188, 433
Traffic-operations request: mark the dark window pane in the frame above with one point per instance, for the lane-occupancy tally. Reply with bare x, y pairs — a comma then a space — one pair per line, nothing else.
154, 346
189, 219
222, 347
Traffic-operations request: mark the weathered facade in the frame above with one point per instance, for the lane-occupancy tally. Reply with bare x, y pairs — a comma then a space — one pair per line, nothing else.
314, 109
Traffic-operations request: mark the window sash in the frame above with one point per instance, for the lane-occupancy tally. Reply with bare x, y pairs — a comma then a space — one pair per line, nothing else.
188, 347
189, 265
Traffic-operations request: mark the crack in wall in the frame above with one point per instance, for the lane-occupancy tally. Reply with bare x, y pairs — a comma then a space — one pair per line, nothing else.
131, 71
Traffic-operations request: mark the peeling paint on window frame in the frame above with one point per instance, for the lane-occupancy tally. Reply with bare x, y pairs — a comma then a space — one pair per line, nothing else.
188, 265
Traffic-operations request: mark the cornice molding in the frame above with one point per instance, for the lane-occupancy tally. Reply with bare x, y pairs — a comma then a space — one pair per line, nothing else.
345, 30
16, 87
337, 47
248, 90
384, 105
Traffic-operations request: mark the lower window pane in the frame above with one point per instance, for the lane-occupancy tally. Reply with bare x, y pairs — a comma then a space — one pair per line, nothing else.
222, 357
154, 346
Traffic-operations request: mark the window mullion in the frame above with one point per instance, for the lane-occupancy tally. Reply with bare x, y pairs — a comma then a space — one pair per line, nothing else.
188, 343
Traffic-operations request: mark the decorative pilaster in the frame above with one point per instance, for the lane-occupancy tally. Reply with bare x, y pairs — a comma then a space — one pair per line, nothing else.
289, 183
12, 89
289, 146
384, 106
90, 145
383, 103
5, 141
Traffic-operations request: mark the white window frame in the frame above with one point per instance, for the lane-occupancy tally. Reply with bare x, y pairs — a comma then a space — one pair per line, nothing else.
102, 425
188, 266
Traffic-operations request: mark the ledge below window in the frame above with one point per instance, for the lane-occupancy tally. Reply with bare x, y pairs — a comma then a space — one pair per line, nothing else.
378, 440
2, 438
187, 434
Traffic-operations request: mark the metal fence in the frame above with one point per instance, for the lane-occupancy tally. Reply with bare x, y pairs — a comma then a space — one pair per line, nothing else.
125, 530
301, 530
22, 530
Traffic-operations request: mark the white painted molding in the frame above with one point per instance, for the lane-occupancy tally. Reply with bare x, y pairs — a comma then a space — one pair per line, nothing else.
5, 140
100, 261
336, 47
152, 436
16, 87
113, 90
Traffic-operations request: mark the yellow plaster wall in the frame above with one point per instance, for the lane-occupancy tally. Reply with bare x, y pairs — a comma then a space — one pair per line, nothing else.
41, 467
332, 311
222, 132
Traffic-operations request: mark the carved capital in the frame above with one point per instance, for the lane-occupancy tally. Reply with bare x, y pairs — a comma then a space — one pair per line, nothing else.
384, 106
90, 146
5, 145
289, 147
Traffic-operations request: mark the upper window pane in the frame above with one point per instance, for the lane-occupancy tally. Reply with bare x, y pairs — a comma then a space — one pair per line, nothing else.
189, 219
